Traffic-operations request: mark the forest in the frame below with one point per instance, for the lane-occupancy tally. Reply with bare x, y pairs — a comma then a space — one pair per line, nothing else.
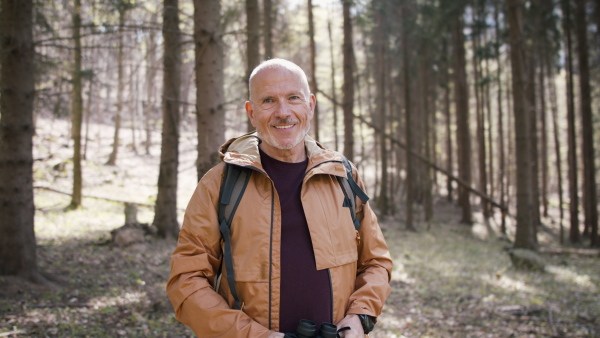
473, 123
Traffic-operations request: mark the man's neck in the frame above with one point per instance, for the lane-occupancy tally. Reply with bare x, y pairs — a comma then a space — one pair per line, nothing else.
294, 155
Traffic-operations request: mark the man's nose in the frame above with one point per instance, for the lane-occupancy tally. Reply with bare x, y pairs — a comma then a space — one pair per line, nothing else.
283, 110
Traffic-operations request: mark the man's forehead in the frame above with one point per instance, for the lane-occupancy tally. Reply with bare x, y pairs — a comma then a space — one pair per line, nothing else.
274, 80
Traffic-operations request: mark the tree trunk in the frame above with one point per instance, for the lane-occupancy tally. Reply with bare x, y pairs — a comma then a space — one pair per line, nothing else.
525, 234
449, 149
252, 42
150, 88
76, 107
590, 202
333, 90
313, 66
408, 108
502, 160
463, 135
17, 237
554, 109
209, 83
268, 28
427, 132
477, 89
348, 87
572, 141
112, 159
165, 210
380, 102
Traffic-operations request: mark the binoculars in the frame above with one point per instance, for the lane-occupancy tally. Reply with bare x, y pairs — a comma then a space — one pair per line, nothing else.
308, 329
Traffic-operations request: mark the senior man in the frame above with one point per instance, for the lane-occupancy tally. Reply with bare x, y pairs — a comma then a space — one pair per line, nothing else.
296, 254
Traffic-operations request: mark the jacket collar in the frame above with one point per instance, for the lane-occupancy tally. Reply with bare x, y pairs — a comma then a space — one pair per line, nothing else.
243, 151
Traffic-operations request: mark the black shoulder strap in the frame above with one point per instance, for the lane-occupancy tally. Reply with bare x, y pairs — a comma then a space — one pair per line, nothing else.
232, 189
351, 191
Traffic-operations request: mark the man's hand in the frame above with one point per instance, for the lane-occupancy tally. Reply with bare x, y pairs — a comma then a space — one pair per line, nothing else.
276, 335
356, 329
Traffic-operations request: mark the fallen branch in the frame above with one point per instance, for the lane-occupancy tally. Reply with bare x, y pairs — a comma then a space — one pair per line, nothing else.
426, 161
13, 332
148, 205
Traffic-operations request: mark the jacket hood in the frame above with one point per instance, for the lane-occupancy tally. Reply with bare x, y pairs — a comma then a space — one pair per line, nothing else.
243, 150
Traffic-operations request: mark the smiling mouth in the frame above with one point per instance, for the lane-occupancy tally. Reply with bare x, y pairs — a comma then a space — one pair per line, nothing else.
284, 127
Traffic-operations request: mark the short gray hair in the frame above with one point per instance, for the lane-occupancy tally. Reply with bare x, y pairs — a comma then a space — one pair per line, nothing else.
278, 64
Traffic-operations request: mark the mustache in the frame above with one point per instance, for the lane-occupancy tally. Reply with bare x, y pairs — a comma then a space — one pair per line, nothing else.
284, 121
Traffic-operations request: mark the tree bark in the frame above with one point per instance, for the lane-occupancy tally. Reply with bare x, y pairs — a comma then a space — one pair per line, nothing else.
501, 145
348, 87
525, 237
477, 89
408, 108
463, 135
165, 210
112, 159
209, 83
17, 237
76, 107
590, 201
449, 148
574, 235
333, 89
150, 88
313, 66
268, 28
252, 43
380, 104
555, 124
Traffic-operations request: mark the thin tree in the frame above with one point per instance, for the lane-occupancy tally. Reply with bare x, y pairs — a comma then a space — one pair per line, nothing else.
165, 209
525, 237
446, 88
17, 236
268, 28
408, 108
574, 235
122, 8
210, 111
380, 99
461, 99
252, 42
348, 87
501, 137
590, 201
313, 65
333, 88
555, 124
76, 107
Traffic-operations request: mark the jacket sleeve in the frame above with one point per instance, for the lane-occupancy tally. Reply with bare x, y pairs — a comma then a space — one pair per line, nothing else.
374, 266
194, 266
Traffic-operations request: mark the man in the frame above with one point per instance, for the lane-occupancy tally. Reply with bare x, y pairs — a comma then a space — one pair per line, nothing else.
296, 254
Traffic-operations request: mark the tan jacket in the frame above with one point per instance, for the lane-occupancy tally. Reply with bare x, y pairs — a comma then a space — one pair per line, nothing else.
360, 274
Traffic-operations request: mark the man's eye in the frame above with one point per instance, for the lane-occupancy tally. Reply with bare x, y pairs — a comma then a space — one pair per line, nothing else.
268, 101
294, 97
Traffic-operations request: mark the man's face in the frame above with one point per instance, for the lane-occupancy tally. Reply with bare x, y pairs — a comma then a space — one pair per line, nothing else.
280, 108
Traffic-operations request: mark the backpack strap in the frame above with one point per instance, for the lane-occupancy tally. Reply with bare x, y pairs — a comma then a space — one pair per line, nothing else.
351, 190
232, 189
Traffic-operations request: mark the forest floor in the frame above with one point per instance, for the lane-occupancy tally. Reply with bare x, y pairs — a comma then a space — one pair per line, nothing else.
449, 279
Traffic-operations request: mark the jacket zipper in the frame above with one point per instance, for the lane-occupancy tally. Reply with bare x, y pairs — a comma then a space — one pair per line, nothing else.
271, 257
330, 293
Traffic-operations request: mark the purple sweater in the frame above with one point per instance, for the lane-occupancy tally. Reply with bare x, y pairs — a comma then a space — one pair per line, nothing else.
305, 291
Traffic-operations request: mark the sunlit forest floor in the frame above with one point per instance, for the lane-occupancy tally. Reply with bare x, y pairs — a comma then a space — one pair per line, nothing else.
449, 279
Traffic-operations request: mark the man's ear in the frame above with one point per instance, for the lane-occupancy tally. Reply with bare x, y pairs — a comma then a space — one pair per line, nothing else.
250, 112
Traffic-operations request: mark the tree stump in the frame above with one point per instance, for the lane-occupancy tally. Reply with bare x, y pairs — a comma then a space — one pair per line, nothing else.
132, 232
523, 259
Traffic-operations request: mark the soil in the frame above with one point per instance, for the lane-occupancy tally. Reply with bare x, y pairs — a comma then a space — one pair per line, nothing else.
449, 279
